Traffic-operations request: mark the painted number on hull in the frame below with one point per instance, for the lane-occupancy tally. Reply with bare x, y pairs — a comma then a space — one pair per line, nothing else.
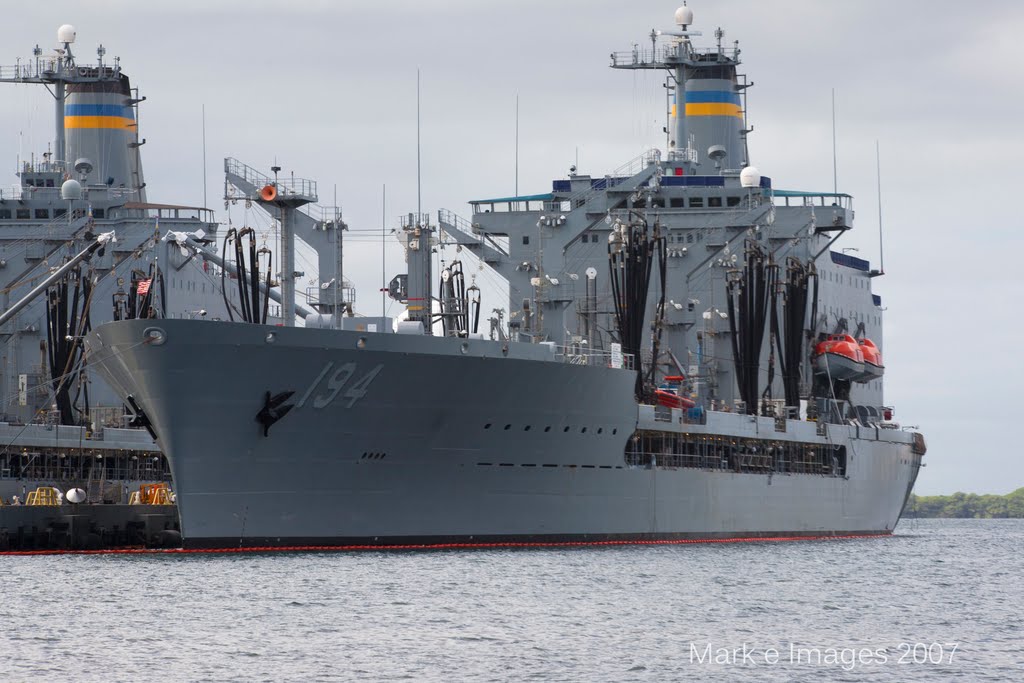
336, 381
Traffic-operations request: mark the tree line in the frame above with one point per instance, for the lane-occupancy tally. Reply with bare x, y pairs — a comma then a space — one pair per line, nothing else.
967, 505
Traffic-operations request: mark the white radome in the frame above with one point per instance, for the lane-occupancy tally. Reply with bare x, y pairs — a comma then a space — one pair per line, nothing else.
71, 189
750, 177
684, 16
66, 34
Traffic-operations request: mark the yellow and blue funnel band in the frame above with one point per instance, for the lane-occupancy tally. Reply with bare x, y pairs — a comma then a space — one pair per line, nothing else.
98, 116
712, 103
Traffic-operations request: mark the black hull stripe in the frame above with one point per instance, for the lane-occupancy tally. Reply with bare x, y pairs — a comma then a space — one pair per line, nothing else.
524, 541
421, 543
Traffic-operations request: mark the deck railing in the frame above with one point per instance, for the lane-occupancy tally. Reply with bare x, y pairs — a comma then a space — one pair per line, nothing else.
581, 355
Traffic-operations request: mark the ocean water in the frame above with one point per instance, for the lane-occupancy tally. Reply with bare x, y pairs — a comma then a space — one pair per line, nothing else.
940, 600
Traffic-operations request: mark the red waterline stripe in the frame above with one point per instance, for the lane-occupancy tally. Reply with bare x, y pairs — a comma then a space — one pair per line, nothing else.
431, 546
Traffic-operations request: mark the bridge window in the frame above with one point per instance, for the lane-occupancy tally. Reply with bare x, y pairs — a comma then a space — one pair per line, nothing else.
526, 239
696, 202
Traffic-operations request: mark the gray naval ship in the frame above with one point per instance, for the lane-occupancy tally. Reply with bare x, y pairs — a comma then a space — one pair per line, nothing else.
81, 244
685, 356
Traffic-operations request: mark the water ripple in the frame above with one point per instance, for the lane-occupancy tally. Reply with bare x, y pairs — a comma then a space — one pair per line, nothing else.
856, 610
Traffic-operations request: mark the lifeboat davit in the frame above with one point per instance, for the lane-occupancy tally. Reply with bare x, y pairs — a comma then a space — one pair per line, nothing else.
873, 368
839, 357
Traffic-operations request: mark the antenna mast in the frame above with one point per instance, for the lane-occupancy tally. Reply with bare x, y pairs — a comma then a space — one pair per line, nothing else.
419, 201
878, 175
517, 145
835, 166
205, 204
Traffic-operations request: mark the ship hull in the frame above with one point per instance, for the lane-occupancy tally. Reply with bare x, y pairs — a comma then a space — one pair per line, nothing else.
402, 440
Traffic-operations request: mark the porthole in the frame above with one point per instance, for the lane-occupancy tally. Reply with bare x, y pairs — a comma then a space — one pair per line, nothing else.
508, 427
548, 428
566, 430
526, 428
487, 426
583, 430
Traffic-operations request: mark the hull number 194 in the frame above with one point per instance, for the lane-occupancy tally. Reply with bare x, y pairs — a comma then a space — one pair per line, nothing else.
322, 393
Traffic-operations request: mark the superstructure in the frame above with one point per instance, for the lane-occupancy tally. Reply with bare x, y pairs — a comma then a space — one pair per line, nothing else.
684, 356
82, 244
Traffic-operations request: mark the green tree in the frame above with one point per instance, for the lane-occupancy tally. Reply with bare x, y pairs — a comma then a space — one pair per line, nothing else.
967, 505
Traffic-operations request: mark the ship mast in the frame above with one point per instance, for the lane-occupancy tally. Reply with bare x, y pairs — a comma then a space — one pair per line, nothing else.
56, 72
418, 238
704, 93
95, 116
287, 196
675, 58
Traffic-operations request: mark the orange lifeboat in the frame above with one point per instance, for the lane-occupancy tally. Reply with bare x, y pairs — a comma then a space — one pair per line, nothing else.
873, 368
670, 399
839, 357
668, 393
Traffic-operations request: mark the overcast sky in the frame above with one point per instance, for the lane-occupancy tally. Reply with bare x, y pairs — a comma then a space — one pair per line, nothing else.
327, 89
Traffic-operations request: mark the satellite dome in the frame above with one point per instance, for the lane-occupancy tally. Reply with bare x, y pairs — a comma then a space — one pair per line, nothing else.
83, 165
750, 177
66, 34
684, 16
76, 495
71, 189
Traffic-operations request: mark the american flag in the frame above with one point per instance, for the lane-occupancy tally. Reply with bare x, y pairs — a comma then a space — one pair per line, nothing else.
143, 288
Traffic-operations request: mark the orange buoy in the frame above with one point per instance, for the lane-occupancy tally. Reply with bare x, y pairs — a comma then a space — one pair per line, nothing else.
268, 193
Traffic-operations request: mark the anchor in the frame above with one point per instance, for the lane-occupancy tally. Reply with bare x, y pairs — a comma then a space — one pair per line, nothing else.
139, 417
273, 410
